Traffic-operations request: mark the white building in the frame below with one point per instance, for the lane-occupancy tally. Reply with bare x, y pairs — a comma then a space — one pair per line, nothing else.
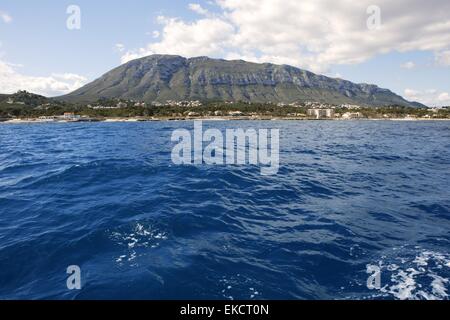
350, 106
70, 116
121, 105
352, 115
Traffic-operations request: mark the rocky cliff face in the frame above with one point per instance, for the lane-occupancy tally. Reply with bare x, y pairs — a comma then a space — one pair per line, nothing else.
164, 77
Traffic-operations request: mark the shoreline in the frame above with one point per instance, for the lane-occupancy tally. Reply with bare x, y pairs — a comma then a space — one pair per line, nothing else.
242, 118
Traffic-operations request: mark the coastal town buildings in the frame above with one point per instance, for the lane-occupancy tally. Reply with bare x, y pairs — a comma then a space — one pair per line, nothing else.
350, 107
101, 107
12, 101
184, 104
70, 116
121, 105
352, 115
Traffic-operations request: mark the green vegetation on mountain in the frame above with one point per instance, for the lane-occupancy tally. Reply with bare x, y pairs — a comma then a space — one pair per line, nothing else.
110, 108
159, 78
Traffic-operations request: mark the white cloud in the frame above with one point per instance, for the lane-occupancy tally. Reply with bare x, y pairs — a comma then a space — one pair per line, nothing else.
12, 80
197, 8
5, 17
207, 36
443, 58
119, 47
431, 97
154, 34
312, 34
408, 65
444, 98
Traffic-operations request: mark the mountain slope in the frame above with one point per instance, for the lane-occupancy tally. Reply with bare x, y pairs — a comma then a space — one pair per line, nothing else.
22, 97
159, 78
3, 97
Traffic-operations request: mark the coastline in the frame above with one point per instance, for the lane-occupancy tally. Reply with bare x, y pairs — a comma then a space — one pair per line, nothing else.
240, 118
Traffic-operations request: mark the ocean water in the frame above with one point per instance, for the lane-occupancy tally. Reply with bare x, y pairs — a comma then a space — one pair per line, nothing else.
106, 197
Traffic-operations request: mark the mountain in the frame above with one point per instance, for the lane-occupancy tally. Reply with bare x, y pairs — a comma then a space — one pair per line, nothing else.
159, 78
23, 98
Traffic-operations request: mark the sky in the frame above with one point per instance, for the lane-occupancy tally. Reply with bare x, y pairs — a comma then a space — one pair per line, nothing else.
54, 47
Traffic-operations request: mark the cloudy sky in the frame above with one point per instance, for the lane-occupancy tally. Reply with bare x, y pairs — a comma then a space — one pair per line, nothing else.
403, 45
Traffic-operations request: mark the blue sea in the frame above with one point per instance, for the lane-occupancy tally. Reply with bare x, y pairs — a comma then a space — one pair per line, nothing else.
349, 196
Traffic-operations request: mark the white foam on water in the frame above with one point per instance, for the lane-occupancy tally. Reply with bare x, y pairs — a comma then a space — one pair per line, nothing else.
439, 286
137, 240
421, 275
404, 284
240, 286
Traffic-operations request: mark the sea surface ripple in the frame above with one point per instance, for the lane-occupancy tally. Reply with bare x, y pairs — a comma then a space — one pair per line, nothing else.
106, 197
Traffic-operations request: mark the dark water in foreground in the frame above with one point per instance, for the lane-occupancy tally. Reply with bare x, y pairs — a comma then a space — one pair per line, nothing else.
106, 197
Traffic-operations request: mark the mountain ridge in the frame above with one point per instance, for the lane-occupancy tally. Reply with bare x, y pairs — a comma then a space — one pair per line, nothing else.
158, 78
